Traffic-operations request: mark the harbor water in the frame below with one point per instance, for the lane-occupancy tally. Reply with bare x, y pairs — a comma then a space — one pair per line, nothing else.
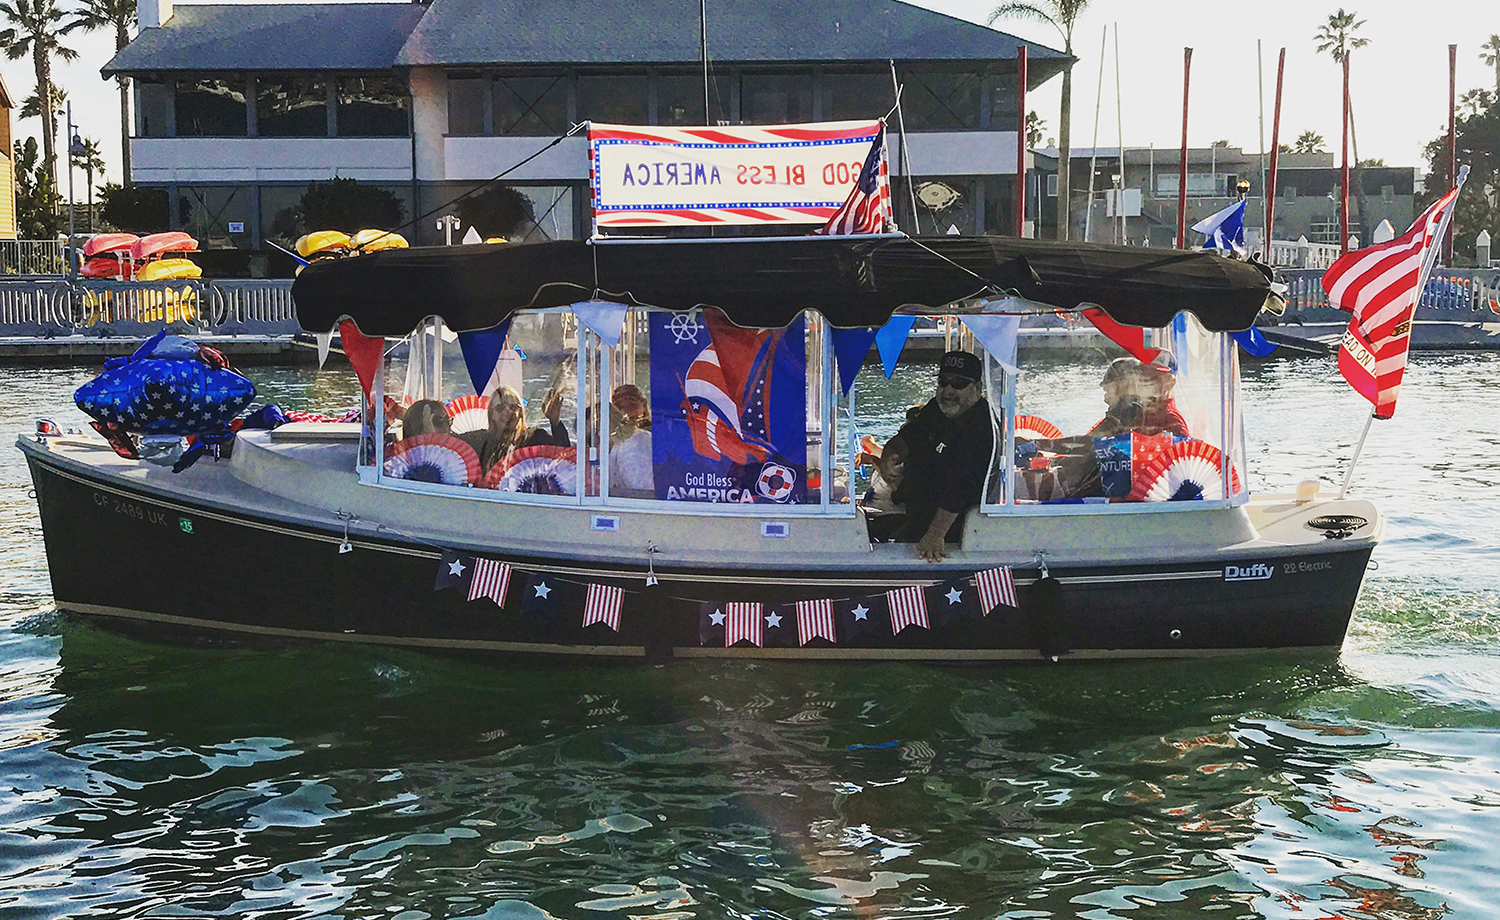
151, 779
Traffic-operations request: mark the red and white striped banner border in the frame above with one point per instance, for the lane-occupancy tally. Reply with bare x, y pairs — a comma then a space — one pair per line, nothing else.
741, 622
908, 608
814, 620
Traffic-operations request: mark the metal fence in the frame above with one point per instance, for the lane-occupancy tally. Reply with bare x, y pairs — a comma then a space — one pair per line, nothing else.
1454, 294
32, 257
101, 309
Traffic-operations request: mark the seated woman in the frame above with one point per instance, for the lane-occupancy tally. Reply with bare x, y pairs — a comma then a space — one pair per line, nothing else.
425, 416
631, 473
507, 430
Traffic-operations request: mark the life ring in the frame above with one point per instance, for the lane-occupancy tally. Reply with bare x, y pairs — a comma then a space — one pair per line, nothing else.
544, 469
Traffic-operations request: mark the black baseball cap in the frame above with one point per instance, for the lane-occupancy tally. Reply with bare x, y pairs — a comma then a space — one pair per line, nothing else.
961, 364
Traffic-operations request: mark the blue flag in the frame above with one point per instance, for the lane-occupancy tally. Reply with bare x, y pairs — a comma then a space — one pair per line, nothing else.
481, 352
1255, 344
850, 346
1225, 229
891, 339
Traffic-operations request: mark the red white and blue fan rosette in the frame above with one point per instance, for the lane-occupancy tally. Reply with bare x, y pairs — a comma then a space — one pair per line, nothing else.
469, 413
544, 469
1036, 428
433, 457
1186, 470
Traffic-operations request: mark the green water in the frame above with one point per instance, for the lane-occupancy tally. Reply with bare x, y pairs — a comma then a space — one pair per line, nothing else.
143, 779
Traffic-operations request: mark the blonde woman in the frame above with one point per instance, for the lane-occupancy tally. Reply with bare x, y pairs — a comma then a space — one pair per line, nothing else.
507, 430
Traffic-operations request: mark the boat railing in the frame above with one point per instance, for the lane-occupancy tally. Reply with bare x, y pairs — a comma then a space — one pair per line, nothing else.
49, 308
1452, 294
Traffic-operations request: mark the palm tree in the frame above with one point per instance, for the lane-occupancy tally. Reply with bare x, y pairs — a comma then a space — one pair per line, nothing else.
120, 16
31, 106
1336, 38
1062, 15
1489, 52
87, 158
37, 28
1308, 141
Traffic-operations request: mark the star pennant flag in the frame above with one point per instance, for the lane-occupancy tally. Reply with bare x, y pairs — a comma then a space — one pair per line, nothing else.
1380, 285
815, 621
454, 570
742, 623
491, 580
603, 606
857, 617
996, 586
868, 207
541, 596
908, 608
952, 599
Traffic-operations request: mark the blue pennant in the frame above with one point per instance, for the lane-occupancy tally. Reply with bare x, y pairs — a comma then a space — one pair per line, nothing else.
1255, 344
891, 339
481, 350
850, 346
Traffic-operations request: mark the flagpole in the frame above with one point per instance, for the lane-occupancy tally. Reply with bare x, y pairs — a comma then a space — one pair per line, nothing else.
1452, 143
1270, 189
1260, 106
911, 188
1088, 214
1344, 169
1187, 64
1021, 145
1120, 137
1358, 448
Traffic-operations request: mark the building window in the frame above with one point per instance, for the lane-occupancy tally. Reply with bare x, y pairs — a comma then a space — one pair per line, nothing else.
1002, 93
531, 106
936, 100
466, 104
618, 99
1199, 185
206, 213
373, 107
1323, 230
281, 214
1289, 192
291, 107
1051, 185
1388, 192
211, 107
857, 96
679, 99
776, 99
153, 108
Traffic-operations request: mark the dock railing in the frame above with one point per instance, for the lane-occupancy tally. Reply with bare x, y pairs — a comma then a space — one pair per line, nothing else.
50, 308
1452, 294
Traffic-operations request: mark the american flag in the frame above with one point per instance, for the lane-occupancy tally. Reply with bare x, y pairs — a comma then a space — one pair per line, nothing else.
743, 621
1381, 286
868, 207
996, 586
603, 606
491, 580
814, 620
908, 608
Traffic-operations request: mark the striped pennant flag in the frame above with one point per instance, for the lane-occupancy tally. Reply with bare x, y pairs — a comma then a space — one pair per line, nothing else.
814, 621
741, 622
908, 608
996, 586
491, 580
1382, 285
603, 606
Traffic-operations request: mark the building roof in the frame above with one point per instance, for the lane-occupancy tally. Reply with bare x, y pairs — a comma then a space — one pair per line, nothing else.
668, 31
291, 36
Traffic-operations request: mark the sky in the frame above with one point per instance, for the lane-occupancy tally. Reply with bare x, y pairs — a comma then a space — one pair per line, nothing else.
1399, 82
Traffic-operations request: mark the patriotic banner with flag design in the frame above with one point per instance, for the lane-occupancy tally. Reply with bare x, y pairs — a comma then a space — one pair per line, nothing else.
650, 176
996, 586
491, 580
908, 608
742, 622
1381, 286
603, 606
868, 207
815, 621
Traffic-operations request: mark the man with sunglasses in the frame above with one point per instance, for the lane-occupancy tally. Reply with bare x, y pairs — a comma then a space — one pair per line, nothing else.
947, 449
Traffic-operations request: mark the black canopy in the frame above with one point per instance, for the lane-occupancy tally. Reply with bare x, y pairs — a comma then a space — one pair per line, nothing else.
765, 283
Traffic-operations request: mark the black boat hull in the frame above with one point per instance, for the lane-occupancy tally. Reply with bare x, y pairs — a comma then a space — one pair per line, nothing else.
120, 553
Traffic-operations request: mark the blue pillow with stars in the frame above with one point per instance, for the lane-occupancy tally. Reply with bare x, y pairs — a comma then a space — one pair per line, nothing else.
176, 395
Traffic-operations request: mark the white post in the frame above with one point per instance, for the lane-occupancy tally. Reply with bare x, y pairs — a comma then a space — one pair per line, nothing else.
1482, 249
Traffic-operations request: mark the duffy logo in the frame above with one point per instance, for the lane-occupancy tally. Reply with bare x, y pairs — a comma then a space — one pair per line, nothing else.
1258, 572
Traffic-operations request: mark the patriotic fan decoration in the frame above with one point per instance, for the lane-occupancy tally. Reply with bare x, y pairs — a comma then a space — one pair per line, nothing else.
545, 469
1036, 428
434, 457
469, 413
1187, 470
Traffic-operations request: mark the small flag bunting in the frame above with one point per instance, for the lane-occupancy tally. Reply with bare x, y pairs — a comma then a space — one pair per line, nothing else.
603, 606
996, 586
815, 621
742, 622
908, 608
491, 580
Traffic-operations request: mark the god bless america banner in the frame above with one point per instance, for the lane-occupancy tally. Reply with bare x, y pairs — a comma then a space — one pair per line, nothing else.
766, 174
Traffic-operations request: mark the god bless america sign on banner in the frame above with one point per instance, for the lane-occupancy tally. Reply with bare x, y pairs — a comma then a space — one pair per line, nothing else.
767, 174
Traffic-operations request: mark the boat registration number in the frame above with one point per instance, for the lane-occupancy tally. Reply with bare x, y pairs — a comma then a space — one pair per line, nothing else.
132, 510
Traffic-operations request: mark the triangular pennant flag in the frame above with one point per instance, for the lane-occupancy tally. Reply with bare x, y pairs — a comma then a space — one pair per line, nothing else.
481, 350
454, 570
1130, 338
472, 237
890, 339
364, 353
603, 318
955, 598
850, 347
1255, 344
325, 342
998, 336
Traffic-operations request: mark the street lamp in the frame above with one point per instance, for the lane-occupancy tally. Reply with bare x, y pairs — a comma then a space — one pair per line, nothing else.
75, 148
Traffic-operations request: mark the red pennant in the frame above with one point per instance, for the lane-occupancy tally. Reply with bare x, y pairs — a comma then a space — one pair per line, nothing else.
364, 353
1130, 338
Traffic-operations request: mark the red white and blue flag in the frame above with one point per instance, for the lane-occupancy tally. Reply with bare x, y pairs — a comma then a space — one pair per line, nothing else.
491, 580
603, 606
868, 207
743, 622
1381, 285
908, 608
996, 586
814, 621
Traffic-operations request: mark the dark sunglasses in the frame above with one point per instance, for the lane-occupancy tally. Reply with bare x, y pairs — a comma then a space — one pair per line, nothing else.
955, 383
